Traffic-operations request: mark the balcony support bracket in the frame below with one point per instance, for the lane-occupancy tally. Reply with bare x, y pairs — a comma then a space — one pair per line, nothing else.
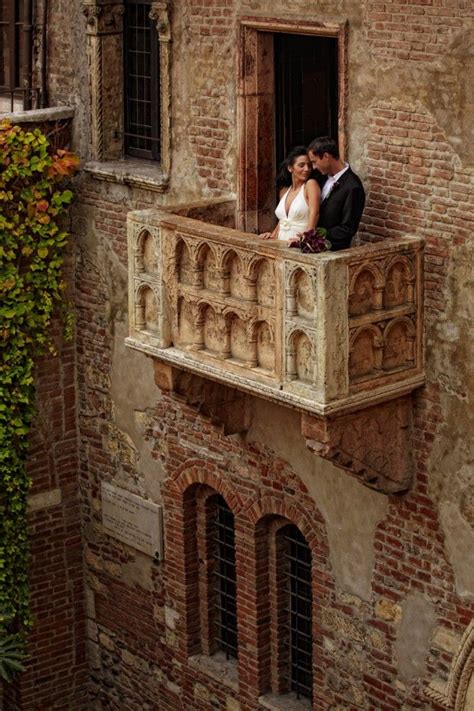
374, 444
226, 407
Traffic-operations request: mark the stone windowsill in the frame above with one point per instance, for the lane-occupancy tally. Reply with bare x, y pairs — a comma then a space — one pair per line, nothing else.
218, 668
285, 702
55, 113
126, 171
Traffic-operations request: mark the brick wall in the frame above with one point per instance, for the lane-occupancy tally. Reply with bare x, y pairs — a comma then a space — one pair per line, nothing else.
350, 634
56, 674
414, 30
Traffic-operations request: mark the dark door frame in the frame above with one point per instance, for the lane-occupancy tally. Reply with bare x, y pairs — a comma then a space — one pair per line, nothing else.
255, 111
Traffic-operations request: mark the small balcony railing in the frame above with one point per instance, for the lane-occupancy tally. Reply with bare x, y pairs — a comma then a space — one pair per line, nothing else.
323, 333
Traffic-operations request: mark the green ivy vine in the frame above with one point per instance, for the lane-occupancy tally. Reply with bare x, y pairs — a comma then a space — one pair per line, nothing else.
32, 245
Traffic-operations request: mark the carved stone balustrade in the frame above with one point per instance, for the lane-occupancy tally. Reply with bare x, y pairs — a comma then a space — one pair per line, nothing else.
335, 335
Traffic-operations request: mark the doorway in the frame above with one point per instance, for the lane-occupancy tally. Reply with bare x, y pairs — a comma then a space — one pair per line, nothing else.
306, 90
290, 90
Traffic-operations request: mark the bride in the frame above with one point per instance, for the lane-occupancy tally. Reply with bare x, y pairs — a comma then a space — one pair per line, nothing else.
298, 209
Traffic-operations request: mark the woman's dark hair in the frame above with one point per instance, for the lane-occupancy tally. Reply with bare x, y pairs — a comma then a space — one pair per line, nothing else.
283, 178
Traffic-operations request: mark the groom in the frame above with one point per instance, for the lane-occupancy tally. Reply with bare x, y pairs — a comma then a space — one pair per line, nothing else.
342, 195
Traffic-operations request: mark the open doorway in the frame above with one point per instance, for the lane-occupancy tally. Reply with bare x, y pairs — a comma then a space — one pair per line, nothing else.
306, 90
291, 80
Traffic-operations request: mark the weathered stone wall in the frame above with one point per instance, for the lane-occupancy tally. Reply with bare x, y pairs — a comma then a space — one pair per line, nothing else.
399, 587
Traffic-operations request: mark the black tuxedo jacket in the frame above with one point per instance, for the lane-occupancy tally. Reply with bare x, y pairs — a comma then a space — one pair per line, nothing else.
341, 211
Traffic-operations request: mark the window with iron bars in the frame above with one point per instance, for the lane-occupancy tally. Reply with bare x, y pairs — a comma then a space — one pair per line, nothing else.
225, 593
297, 622
141, 82
15, 55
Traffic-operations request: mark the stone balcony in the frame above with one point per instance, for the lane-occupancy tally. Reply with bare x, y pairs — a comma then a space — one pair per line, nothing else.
337, 336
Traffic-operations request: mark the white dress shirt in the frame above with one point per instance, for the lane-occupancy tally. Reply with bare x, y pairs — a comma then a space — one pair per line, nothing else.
329, 184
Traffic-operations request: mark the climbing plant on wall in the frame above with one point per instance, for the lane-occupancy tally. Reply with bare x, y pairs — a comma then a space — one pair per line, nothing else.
33, 201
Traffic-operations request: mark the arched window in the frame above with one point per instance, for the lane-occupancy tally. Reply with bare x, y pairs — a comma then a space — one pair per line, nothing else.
290, 620
297, 628
225, 593
211, 575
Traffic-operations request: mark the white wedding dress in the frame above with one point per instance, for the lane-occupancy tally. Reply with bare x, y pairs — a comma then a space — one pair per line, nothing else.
296, 221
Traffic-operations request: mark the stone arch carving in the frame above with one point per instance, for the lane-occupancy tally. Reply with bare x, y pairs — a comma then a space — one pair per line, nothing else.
399, 283
147, 310
300, 357
207, 263
196, 471
214, 332
459, 694
239, 342
184, 262
187, 327
146, 253
304, 294
263, 275
233, 266
365, 290
265, 345
399, 341
365, 351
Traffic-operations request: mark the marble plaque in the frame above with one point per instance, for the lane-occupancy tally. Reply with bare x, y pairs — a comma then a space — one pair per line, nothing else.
132, 519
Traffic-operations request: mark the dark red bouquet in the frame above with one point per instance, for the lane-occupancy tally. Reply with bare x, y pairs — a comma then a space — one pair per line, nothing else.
313, 241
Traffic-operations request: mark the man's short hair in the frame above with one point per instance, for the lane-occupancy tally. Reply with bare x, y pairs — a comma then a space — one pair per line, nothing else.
323, 145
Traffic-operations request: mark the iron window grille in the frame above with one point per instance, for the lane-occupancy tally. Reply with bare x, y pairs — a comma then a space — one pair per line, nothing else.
141, 82
299, 613
225, 620
15, 55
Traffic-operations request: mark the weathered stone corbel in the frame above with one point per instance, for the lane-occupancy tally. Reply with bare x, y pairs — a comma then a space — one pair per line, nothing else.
226, 407
373, 444
159, 12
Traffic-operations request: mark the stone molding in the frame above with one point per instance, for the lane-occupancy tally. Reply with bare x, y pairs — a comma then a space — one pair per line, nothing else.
460, 677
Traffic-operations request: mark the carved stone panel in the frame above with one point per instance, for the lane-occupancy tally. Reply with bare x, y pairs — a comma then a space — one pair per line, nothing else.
148, 316
215, 332
187, 334
237, 284
265, 280
184, 263
304, 295
398, 284
365, 291
365, 354
147, 253
211, 277
398, 344
239, 343
265, 347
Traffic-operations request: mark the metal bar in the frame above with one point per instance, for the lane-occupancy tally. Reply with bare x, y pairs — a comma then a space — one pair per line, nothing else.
299, 629
25, 67
225, 580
